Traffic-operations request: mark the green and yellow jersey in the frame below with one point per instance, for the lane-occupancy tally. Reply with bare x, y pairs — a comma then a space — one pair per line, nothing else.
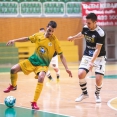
45, 49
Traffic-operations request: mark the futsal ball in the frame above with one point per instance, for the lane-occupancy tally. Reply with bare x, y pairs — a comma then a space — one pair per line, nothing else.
10, 101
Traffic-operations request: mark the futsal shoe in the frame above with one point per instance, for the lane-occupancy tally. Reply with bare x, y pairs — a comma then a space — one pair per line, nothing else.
50, 79
97, 98
57, 80
10, 88
34, 106
81, 97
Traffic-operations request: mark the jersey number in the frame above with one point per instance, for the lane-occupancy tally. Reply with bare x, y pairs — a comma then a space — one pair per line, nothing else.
100, 67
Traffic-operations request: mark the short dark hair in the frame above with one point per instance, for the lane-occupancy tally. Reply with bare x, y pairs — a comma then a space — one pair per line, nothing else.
41, 29
53, 24
92, 16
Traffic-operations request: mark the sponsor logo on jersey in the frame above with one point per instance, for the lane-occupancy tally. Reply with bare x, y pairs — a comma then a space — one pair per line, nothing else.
49, 44
91, 47
42, 50
93, 36
91, 52
89, 39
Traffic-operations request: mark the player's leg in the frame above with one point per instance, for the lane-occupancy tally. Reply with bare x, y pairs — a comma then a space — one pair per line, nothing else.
41, 72
24, 66
57, 70
13, 76
99, 72
98, 87
82, 72
54, 65
49, 76
83, 84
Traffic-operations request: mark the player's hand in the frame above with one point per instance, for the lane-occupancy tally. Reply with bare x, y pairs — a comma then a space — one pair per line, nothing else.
91, 65
11, 42
69, 72
70, 38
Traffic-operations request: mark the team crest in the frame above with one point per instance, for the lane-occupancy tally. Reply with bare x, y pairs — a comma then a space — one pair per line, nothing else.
49, 44
93, 36
42, 50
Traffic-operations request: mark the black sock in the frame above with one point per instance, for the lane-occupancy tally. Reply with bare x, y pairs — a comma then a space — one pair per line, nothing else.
50, 77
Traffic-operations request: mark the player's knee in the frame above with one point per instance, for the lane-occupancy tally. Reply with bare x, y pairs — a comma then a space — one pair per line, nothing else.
80, 75
41, 77
13, 70
53, 65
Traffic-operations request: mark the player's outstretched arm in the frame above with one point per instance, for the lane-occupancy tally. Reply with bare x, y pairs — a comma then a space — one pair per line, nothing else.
23, 39
63, 60
77, 36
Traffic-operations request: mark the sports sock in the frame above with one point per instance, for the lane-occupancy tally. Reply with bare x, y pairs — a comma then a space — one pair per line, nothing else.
98, 88
58, 74
38, 91
83, 86
49, 76
13, 79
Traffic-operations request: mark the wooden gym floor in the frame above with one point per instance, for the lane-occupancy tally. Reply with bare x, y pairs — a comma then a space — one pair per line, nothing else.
57, 99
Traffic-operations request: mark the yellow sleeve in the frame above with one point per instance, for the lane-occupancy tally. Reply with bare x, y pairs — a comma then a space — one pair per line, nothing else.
58, 47
32, 38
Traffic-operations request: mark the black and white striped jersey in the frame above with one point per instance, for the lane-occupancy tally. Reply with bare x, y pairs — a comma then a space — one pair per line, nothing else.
93, 37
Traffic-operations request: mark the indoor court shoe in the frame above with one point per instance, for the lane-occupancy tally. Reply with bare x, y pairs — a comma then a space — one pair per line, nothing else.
57, 80
97, 98
34, 106
10, 88
49, 80
81, 97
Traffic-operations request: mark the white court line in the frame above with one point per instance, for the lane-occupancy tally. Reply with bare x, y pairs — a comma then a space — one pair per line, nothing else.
40, 110
108, 103
90, 77
4, 72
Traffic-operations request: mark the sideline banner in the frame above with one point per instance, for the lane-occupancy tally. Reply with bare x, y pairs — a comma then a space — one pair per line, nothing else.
105, 11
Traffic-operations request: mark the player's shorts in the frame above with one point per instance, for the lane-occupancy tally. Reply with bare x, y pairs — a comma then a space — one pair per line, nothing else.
99, 64
54, 62
27, 67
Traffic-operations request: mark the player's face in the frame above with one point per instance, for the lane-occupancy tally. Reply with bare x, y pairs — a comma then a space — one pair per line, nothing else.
49, 31
91, 25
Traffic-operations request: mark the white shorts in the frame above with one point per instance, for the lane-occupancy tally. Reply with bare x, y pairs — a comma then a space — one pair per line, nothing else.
99, 64
54, 62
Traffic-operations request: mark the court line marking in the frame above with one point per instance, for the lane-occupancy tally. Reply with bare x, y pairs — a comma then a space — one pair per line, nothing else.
41, 110
108, 103
4, 72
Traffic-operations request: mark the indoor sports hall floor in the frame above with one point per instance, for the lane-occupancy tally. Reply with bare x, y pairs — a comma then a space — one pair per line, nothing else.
57, 100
